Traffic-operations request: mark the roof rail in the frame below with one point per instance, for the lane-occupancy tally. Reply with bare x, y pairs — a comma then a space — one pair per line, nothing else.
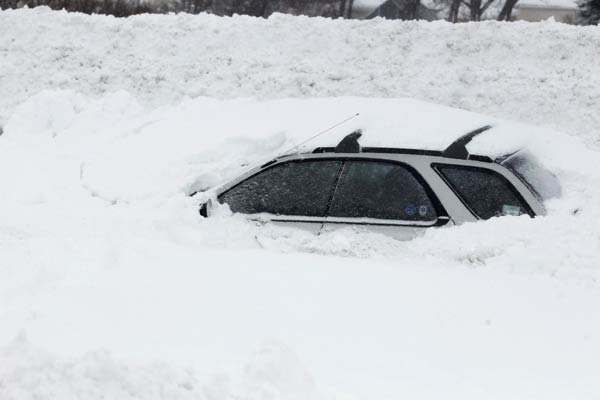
458, 148
393, 150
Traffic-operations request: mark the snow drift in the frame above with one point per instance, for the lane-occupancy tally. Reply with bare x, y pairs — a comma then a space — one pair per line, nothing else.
111, 284
543, 73
102, 248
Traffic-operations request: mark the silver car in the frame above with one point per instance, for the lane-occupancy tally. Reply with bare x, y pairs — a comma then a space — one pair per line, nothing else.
398, 192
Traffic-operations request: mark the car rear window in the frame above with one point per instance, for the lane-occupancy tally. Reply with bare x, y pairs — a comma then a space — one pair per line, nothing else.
381, 190
485, 192
294, 188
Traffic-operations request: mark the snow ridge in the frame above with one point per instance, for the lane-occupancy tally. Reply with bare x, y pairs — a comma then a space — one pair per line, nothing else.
107, 266
541, 73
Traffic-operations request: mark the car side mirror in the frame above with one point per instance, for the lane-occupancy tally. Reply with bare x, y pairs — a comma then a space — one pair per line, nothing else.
205, 208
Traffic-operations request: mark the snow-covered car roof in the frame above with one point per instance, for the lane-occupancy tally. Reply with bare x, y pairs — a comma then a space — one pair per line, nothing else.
415, 124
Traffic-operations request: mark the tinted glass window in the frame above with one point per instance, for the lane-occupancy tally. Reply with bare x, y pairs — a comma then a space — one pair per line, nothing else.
543, 182
294, 188
487, 193
372, 189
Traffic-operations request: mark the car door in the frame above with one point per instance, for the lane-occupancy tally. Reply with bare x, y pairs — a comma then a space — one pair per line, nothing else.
295, 192
383, 196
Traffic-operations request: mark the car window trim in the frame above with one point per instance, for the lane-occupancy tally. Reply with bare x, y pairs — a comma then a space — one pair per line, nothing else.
439, 221
436, 165
284, 218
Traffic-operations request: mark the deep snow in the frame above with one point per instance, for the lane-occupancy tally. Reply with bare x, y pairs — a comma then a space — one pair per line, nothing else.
112, 285
541, 73
102, 248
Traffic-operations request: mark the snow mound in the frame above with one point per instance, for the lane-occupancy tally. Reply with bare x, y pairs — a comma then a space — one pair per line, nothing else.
30, 373
542, 73
146, 162
27, 373
108, 267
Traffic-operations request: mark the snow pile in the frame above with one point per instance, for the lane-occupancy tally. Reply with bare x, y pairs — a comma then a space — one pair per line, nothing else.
30, 373
27, 372
102, 249
543, 73
114, 286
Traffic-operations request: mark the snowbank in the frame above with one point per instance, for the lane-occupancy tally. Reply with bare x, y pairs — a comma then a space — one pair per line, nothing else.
543, 74
111, 284
102, 250
26, 372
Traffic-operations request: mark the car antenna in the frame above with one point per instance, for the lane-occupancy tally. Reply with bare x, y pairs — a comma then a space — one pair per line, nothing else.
319, 134
288, 151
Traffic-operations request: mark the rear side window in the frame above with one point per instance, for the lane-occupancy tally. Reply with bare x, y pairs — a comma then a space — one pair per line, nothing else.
543, 183
485, 192
382, 190
293, 188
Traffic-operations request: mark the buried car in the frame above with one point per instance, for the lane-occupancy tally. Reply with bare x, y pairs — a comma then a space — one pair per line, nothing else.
395, 191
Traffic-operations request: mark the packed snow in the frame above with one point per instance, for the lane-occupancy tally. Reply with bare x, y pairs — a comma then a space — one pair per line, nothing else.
541, 73
113, 286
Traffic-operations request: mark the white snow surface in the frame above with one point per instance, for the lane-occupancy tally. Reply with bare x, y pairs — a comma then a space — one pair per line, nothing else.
112, 286
539, 73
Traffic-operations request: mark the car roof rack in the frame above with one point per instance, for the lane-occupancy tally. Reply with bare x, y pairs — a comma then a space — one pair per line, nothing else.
458, 148
349, 144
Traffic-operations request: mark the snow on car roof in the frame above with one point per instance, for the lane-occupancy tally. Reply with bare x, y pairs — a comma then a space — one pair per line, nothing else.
408, 123
173, 145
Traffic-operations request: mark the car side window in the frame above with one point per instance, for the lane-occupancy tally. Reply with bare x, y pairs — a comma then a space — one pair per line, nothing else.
381, 190
300, 188
485, 192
